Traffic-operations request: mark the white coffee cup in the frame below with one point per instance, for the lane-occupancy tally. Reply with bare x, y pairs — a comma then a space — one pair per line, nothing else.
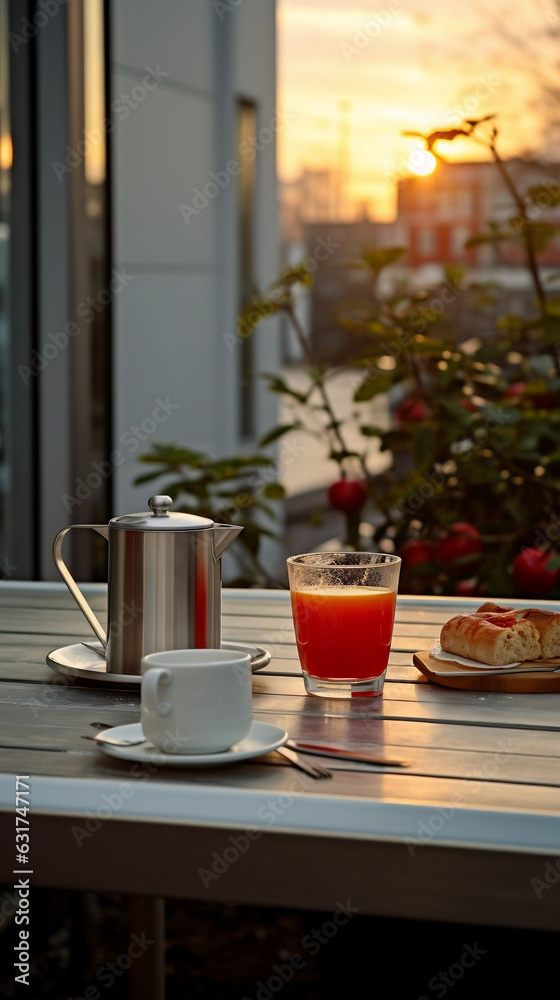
196, 701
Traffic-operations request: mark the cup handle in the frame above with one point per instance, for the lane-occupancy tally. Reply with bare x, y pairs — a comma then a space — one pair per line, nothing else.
150, 683
102, 529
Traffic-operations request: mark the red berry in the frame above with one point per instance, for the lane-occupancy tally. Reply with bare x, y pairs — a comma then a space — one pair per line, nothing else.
411, 411
416, 552
348, 495
462, 539
542, 400
466, 588
516, 389
531, 574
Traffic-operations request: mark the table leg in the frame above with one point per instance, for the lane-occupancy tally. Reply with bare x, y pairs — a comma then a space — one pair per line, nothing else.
146, 924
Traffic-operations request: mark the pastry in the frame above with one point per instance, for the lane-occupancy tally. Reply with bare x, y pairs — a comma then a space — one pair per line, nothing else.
495, 638
547, 624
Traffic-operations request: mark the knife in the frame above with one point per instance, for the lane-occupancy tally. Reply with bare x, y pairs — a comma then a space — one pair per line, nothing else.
326, 751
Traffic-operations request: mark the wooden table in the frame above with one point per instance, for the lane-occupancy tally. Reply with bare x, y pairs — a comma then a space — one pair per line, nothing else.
470, 832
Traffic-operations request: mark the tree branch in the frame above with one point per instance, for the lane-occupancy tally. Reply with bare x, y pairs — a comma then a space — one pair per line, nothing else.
525, 229
335, 424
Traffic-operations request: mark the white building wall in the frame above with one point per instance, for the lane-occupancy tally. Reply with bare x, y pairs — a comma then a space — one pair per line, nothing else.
255, 77
189, 63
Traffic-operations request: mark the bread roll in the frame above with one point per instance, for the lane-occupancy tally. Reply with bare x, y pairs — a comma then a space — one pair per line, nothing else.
547, 624
493, 638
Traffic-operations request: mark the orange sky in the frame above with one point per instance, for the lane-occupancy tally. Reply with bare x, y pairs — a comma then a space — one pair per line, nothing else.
415, 64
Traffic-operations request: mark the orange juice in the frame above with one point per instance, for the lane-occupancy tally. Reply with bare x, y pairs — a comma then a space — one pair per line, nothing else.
344, 632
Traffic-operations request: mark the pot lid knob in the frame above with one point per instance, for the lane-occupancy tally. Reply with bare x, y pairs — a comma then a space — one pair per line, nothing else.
160, 505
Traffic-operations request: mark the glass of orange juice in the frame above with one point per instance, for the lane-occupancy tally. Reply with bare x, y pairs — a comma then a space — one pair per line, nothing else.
343, 606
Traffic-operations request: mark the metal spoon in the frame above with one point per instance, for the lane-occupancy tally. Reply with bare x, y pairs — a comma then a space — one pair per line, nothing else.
101, 738
105, 736
118, 741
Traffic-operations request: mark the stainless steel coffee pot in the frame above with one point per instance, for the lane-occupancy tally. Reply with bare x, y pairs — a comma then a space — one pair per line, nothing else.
164, 583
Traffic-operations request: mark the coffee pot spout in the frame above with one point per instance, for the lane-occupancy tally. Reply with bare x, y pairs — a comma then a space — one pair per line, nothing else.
224, 535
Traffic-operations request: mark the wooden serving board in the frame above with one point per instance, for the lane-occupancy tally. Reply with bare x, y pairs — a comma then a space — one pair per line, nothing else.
519, 680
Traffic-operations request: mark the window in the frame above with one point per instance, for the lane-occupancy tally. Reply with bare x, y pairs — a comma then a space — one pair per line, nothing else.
247, 131
453, 202
90, 278
459, 236
54, 258
426, 242
5, 355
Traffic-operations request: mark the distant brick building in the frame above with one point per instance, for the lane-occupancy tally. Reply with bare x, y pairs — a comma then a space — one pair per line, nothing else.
437, 214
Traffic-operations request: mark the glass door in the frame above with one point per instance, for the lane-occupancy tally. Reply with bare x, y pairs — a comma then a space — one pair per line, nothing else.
5, 358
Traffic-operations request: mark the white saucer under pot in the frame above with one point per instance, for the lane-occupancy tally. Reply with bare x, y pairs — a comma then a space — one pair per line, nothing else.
87, 662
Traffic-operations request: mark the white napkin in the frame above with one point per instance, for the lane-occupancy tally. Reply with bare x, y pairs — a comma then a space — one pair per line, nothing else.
441, 654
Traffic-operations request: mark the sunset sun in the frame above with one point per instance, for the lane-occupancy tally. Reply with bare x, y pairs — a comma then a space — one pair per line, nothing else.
421, 162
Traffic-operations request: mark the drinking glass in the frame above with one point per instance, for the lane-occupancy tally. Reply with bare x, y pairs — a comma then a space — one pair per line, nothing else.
343, 605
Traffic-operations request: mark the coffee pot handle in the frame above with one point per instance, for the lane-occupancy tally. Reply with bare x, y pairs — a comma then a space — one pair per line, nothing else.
102, 529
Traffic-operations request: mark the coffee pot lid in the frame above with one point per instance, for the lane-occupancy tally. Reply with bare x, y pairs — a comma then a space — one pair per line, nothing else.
161, 518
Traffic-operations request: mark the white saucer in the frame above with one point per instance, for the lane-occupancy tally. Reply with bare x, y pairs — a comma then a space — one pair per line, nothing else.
262, 738
83, 662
